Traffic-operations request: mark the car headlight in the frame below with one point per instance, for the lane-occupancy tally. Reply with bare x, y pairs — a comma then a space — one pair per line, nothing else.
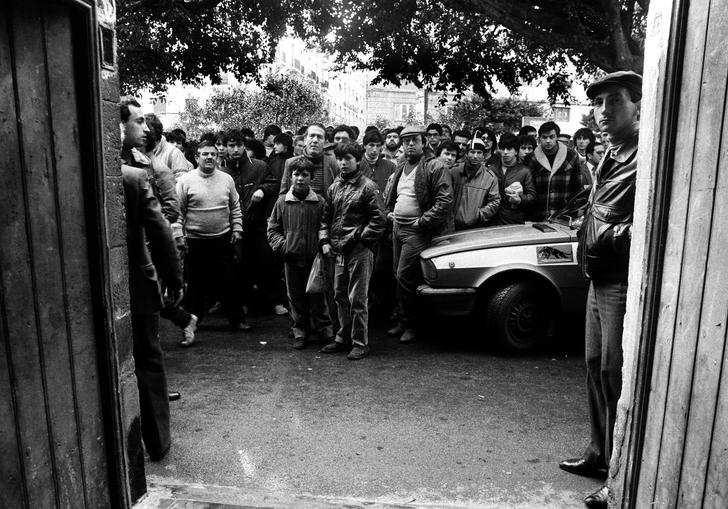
429, 270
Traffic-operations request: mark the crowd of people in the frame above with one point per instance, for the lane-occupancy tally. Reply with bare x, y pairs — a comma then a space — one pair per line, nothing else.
381, 198
251, 216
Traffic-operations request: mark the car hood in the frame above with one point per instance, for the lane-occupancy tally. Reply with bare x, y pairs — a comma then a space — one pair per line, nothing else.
499, 236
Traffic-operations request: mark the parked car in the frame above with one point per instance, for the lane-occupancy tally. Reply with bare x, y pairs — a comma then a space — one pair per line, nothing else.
515, 280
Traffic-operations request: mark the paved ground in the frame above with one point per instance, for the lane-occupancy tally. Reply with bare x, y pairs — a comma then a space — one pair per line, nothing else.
439, 423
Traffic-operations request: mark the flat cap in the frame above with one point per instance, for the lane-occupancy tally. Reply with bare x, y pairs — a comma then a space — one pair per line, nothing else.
411, 130
627, 79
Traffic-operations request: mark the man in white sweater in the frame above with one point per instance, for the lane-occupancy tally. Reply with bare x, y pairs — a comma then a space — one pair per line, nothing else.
213, 228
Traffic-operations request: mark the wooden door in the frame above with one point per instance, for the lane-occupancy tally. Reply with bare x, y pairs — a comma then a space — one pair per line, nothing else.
52, 439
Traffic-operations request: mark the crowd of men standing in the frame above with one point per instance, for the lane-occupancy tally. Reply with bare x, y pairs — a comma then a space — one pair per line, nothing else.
251, 217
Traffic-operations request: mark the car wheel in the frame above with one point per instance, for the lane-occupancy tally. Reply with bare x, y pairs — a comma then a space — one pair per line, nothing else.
517, 316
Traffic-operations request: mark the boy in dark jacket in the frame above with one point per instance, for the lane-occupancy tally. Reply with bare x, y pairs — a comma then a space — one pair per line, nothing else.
293, 232
352, 223
515, 184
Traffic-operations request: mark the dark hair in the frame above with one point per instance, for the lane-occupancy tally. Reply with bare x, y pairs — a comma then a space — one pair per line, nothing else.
302, 130
271, 129
549, 126
373, 136
343, 127
205, 142
589, 150
179, 132
247, 133
462, 133
355, 131
487, 132
301, 164
156, 129
526, 129
448, 145
124, 108
526, 139
285, 139
348, 148
508, 140
235, 135
436, 127
257, 147
173, 137
585, 132
449, 129
210, 136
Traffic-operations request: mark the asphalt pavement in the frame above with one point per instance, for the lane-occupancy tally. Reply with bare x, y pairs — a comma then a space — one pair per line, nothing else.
442, 422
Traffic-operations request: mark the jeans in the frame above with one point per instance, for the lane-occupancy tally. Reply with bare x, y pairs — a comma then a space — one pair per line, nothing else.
308, 311
408, 242
605, 310
351, 288
152, 383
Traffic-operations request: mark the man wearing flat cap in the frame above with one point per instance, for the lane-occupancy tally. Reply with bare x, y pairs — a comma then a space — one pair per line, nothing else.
604, 242
419, 204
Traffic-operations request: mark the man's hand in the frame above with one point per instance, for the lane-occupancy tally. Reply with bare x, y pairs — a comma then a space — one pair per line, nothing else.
236, 237
181, 243
177, 297
327, 250
257, 196
514, 199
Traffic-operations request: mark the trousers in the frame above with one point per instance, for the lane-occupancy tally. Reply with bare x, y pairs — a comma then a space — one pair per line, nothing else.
408, 241
308, 311
152, 383
605, 308
351, 292
209, 268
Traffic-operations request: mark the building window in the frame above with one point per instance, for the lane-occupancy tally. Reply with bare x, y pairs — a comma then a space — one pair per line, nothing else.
160, 106
403, 111
561, 113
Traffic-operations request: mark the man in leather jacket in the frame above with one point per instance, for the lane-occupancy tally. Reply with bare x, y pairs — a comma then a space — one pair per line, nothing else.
419, 204
604, 242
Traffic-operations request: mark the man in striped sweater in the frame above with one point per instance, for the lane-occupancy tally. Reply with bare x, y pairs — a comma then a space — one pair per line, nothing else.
213, 227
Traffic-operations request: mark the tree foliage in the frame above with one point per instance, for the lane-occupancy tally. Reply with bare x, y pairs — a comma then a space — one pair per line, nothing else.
445, 45
500, 114
283, 99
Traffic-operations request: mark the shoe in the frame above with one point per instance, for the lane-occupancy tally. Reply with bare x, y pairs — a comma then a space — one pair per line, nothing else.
188, 333
174, 395
334, 347
242, 326
580, 466
358, 352
408, 336
299, 343
397, 330
158, 456
598, 499
280, 310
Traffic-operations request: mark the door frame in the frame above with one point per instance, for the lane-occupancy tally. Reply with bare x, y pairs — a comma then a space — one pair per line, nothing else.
87, 62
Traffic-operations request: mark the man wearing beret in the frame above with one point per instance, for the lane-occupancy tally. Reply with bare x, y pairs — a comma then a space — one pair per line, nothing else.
419, 204
604, 242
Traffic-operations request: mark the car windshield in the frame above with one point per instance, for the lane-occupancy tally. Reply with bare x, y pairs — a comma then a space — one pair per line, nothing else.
573, 213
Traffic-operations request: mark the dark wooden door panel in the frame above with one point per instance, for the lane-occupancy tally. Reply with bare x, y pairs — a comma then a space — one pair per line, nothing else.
53, 454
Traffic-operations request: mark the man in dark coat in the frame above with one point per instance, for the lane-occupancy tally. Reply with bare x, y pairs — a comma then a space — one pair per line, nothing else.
604, 242
145, 225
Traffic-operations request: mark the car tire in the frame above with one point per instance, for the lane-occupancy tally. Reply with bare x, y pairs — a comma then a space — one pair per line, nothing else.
516, 316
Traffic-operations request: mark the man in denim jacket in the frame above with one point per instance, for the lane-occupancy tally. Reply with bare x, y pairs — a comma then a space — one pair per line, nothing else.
604, 242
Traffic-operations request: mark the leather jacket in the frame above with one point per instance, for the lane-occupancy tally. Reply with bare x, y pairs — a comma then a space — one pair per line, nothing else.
605, 234
352, 213
433, 187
